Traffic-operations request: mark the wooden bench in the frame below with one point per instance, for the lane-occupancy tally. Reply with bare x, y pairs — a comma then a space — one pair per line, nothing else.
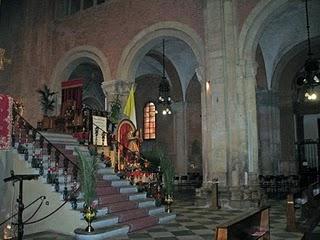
310, 209
252, 225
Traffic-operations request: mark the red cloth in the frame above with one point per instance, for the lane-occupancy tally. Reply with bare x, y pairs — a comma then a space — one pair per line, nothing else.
80, 136
125, 126
72, 91
6, 103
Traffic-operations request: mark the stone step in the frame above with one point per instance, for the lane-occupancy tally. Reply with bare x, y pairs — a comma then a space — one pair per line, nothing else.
140, 223
79, 147
102, 233
110, 177
156, 210
128, 189
120, 183
137, 196
61, 136
131, 214
104, 221
112, 198
60, 178
61, 187
121, 206
146, 203
165, 217
101, 191
105, 171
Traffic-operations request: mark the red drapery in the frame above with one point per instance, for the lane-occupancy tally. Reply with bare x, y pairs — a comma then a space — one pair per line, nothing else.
6, 103
72, 92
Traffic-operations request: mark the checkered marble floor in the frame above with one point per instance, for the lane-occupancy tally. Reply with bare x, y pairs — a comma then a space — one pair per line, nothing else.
196, 223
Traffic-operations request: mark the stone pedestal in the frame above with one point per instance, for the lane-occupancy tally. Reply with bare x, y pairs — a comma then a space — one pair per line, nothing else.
236, 197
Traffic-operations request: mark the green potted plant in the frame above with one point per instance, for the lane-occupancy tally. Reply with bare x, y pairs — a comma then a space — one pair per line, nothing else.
115, 110
88, 169
46, 99
168, 173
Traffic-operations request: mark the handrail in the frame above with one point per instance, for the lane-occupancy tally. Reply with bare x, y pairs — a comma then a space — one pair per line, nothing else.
51, 144
69, 195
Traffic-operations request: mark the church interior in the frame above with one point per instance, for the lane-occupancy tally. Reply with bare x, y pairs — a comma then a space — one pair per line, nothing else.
160, 119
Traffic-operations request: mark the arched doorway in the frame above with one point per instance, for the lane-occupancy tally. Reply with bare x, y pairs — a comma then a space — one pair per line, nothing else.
92, 96
174, 133
280, 51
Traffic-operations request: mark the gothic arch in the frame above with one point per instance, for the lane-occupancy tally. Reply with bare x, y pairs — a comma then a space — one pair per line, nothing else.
139, 45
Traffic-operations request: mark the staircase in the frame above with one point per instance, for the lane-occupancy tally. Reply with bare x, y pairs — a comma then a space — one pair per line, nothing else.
121, 209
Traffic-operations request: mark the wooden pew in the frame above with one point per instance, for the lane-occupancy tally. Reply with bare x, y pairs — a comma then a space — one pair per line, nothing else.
310, 211
252, 225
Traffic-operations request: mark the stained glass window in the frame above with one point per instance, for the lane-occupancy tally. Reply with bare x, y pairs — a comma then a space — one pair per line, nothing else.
149, 121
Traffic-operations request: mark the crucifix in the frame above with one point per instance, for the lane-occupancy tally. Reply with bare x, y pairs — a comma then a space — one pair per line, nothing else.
3, 59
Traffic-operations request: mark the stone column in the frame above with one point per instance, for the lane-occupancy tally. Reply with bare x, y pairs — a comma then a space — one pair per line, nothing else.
231, 114
113, 88
215, 156
288, 163
205, 97
179, 121
269, 132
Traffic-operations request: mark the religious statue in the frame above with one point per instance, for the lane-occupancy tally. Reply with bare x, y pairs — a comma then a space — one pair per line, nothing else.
134, 141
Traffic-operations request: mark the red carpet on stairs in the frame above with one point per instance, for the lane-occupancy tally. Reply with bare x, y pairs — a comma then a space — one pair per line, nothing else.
128, 212
140, 223
114, 198
100, 191
131, 214
121, 206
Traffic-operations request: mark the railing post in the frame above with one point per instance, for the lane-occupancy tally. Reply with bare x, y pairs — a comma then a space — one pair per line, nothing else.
291, 215
215, 195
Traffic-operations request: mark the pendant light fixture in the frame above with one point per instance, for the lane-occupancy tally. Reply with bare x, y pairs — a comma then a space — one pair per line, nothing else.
311, 78
164, 100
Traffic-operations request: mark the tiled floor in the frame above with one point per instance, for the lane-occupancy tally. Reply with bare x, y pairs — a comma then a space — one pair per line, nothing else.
196, 223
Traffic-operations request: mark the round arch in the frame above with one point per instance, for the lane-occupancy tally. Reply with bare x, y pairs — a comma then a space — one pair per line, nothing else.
76, 56
140, 45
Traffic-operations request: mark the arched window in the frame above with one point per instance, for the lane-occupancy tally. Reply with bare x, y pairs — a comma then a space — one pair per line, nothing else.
149, 121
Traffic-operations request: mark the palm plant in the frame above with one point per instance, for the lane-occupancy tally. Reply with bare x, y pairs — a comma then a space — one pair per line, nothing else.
47, 100
168, 172
88, 168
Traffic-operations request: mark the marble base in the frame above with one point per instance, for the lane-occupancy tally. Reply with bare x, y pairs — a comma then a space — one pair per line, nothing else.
230, 197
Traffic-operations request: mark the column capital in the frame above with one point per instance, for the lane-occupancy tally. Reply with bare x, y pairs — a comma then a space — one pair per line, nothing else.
114, 88
120, 87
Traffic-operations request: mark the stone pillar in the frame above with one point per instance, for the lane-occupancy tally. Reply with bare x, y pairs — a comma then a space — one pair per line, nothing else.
180, 135
205, 120
288, 163
113, 88
269, 132
215, 156
232, 151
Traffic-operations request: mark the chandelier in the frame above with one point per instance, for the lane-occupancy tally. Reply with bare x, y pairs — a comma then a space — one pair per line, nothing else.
311, 78
164, 100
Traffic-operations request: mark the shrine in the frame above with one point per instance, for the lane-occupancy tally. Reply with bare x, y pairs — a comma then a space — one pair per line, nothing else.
159, 119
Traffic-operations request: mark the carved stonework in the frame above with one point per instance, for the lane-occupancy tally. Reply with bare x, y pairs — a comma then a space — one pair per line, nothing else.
113, 88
